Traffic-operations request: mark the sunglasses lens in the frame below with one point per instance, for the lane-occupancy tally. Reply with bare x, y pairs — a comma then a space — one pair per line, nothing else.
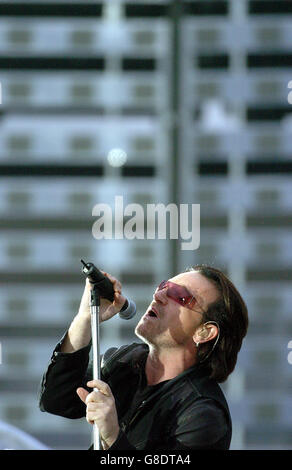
177, 293
162, 285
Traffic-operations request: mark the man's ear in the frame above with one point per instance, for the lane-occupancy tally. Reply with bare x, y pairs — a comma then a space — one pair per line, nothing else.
206, 332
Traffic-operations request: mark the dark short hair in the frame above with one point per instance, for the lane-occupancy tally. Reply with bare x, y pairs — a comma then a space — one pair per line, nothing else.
231, 314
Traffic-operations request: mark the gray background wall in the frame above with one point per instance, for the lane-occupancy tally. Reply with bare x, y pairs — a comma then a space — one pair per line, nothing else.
196, 93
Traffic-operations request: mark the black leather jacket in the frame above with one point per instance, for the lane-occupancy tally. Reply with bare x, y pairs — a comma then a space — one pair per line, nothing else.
185, 413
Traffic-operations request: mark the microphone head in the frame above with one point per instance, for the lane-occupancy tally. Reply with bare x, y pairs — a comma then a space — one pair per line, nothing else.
128, 311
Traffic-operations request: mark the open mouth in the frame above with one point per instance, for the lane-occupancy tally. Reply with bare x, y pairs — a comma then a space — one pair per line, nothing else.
152, 314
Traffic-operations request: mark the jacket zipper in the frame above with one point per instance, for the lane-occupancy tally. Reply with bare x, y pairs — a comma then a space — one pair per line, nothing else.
142, 404
125, 426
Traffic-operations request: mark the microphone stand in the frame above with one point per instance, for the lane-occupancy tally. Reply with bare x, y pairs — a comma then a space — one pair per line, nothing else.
100, 284
94, 310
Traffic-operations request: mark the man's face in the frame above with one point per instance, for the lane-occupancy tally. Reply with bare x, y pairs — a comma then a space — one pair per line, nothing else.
166, 323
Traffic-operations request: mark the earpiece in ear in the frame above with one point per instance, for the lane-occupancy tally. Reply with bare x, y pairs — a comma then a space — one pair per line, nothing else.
217, 339
204, 332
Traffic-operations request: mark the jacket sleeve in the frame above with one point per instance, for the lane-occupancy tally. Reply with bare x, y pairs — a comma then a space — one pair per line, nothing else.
203, 426
65, 373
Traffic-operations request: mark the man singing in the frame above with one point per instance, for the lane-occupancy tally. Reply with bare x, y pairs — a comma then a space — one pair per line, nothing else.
161, 393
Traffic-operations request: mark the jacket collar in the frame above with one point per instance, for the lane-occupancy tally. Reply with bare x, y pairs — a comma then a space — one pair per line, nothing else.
137, 359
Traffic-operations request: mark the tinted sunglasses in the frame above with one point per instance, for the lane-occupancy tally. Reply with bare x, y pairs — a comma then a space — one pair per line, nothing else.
178, 293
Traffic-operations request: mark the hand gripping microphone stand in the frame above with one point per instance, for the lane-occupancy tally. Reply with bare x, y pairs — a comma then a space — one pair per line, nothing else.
100, 284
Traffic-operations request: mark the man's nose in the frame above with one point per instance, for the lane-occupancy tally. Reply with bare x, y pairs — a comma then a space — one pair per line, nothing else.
161, 296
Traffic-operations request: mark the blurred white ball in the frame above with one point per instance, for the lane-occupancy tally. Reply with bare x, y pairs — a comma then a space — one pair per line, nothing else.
117, 157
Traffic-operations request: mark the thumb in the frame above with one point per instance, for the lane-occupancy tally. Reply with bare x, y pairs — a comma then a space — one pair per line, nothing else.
82, 393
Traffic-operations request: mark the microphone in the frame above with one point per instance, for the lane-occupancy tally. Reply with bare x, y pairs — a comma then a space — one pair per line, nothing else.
106, 289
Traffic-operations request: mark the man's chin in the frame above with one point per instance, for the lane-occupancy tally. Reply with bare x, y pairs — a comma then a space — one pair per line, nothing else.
141, 332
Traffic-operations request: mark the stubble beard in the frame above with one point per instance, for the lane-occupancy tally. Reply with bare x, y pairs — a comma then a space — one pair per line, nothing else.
145, 334
155, 339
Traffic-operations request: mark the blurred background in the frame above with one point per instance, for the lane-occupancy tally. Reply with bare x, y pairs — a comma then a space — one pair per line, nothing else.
196, 93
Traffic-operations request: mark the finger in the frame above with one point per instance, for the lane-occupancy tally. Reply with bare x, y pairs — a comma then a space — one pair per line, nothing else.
101, 386
96, 397
95, 407
119, 300
116, 283
82, 393
92, 417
